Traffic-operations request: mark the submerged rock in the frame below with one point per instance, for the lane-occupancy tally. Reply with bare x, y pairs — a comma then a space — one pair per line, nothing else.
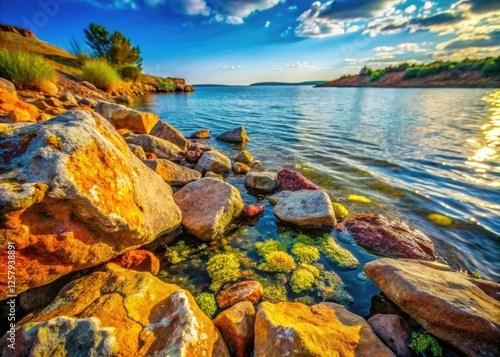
167, 132
240, 168
244, 157
325, 329
249, 290
118, 312
264, 182
208, 207
253, 210
238, 135
172, 173
201, 134
125, 118
236, 325
389, 237
293, 181
213, 161
394, 331
73, 195
161, 148
305, 208
447, 304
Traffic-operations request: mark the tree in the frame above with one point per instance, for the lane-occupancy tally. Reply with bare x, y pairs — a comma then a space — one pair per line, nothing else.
365, 71
98, 40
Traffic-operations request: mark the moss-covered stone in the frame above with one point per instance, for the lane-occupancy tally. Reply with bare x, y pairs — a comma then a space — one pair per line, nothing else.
275, 294
359, 198
222, 269
269, 246
206, 302
338, 255
304, 277
340, 210
278, 262
305, 253
440, 219
331, 288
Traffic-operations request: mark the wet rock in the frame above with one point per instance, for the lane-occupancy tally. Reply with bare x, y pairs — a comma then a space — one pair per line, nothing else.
264, 182
123, 99
236, 325
201, 134
162, 148
118, 312
88, 85
208, 207
293, 181
389, 237
14, 110
249, 290
394, 331
446, 303
244, 157
213, 161
140, 260
240, 168
305, 208
256, 164
195, 145
193, 155
138, 151
253, 210
167, 132
172, 173
325, 329
8, 86
125, 118
238, 135
215, 176
79, 198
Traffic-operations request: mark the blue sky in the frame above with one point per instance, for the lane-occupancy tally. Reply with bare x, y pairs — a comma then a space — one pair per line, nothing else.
247, 41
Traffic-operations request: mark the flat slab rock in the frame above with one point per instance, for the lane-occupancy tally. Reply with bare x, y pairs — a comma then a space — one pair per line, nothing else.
126, 118
213, 161
172, 173
304, 208
446, 303
389, 237
163, 149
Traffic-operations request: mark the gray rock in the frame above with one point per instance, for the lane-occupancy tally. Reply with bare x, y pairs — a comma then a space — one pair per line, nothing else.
394, 331
88, 102
8, 85
88, 85
172, 173
265, 182
244, 157
162, 148
138, 151
213, 175
213, 161
68, 99
238, 135
305, 208
208, 207
167, 132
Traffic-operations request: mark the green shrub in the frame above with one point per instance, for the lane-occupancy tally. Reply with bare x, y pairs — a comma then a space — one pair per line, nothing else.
101, 74
277, 262
166, 85
207, 304
490, 69
25, 69
421, 342
130, 72
223, 268
375, 76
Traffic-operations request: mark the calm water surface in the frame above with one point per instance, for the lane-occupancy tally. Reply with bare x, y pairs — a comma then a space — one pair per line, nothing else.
411, 151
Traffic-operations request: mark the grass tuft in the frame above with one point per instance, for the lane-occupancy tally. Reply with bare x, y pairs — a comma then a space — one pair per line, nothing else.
101, 74
25, 69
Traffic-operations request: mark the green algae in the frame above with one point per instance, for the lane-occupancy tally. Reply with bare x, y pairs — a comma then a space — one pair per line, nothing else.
331, 288
268, 247
303, 278
337, 254
277, 262
305, 253
359, 199
275, 294
340, 210
422, 342
206, 302
223, 268
440, 219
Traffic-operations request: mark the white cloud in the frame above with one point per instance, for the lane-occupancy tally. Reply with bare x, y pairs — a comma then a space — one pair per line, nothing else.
298, 64
292, 8
429, 5
410, 9
239, 66
268, 23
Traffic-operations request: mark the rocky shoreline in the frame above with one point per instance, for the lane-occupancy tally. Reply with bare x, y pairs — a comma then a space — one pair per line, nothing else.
89, 190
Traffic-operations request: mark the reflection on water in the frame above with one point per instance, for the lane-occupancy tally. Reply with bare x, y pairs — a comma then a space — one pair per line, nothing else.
412, 152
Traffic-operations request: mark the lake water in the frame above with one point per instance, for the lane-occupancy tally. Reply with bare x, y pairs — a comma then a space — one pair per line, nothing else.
411, 151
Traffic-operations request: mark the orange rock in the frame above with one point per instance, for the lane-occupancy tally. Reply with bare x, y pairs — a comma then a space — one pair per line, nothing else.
124, 132
15, 109
125, 118
55, 111
236, 325
48, 88
140, 260
249, 290
86, 107
151, 156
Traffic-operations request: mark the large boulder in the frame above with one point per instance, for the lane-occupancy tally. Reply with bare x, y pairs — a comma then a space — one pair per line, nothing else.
326, 329
117, 312
236, 325
447, 304
293, 181
213, 161
168, 132
172, 173
161, 148
264, 182
125, 118
389, 237
73, 195
208, 207
14, 110
238, 135
304, 208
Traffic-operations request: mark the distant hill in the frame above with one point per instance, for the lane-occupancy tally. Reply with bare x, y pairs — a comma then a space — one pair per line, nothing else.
309, 83
480, 73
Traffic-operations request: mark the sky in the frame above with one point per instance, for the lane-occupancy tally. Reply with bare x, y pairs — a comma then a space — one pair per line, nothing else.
248, 41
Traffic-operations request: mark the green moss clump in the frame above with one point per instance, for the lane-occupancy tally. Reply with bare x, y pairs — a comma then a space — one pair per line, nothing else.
475, 275
303, 278
54, 141
275, 294
269, 246
340, 210
305, 253
305, 239
285, 237
306, 300
331, 288
207, 304
278, 262
337, 254
222, 269
422, 342
180, 252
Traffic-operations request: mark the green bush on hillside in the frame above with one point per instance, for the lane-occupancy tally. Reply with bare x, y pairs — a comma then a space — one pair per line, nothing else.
130, 72
166, 85
25, 69
101, 74
491, 68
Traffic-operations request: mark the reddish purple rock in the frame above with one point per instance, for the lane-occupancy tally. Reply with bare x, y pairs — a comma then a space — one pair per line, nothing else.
253, 210
389, 237
193, 156
293, 181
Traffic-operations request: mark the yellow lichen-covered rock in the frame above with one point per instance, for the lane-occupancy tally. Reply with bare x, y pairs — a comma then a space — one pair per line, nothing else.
326, 329
72, 196
129, 312
125, 118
